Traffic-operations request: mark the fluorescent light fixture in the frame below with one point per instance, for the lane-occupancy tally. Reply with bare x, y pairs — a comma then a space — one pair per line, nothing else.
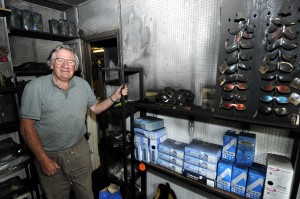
98, 50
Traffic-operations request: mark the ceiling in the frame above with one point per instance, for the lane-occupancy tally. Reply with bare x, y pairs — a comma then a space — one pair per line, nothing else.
61, 5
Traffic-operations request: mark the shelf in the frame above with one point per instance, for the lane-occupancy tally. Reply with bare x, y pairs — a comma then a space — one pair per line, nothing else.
215, 191
39, 35
4, 12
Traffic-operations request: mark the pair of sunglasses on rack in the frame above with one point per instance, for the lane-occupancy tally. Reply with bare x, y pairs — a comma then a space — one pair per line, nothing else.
238, 107
282, 66
238, 44
236, 56
230, 69
230, 96
281, 54
232, 78
231, 87
279, 32
278, 99
281, 88
273, 76
282, 111
282, 42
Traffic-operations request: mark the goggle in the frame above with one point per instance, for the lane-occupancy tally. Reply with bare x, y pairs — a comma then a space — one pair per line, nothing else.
239, 107
279, 99
278, 53
281, 21
232, 78
281, 78
287, 32
278, 111
285, 43
282, 66
224, 68
235, 56
231, 96
280, 88
231, 87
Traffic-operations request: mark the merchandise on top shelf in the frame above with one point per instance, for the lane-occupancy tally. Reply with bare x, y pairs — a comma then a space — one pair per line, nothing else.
54, 26
14, 20
26, 20
37, 21
63, 27
279, 177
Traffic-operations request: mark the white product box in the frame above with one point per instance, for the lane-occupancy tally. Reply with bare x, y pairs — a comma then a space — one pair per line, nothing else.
138, 147
279, 177
173, 148
171, 166
170, 159
145, 149
153, 148
200, 163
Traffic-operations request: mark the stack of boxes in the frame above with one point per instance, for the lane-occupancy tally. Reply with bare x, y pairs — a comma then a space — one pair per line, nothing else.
237, 171
200, 161
171, 155
149, 132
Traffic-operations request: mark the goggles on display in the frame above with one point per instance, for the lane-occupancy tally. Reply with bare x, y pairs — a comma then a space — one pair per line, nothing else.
278, 111
239, 107
281, 78
232, 78
282, 66
231, 87
231, 96
280, 88
224, 68
279, 99
295, 83
285, 43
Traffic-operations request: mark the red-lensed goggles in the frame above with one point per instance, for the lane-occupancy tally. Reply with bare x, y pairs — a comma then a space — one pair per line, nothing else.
239, 107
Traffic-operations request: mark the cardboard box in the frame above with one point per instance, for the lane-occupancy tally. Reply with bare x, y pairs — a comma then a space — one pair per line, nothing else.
279, 177
173, 148
200, 163
171, 166
155, 134
230, 141
255, 181
203, 150
199, 178
246, 148
239, 179
224, 175
153, 148
149, 123
170, 159
198, 170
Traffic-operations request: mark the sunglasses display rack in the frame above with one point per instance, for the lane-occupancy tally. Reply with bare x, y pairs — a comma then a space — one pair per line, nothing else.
258, 69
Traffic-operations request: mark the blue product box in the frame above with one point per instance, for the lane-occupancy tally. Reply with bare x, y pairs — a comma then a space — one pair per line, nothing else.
199, 178
151, 134
203, 150
229, 145
246, 149
239, 179
224, 175
173, 148
153, 148
200, 163
170, 159
138, 141
145, 149
149, 123
204, 172
171, 166
256, 179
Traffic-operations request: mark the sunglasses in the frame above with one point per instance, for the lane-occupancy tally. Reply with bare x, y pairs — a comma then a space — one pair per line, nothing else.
231, 87
282, 66
278, 111
281, 21
228, 106
285, 43
280, 88
281, 78
224, 68
279, 99
232, 78
231, 96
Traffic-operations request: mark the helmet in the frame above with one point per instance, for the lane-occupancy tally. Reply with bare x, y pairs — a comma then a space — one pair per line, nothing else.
166, 96
184, 97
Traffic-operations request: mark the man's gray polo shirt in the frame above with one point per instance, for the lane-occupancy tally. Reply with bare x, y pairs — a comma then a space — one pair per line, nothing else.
60, 115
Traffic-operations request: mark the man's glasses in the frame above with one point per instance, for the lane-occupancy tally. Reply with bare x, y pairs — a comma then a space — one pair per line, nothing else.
280, 88
239, 107
231, 87
279, 99
231, 96
278, 111
61, 61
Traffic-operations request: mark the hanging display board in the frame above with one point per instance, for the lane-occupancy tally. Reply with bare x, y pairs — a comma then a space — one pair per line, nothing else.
258, 78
